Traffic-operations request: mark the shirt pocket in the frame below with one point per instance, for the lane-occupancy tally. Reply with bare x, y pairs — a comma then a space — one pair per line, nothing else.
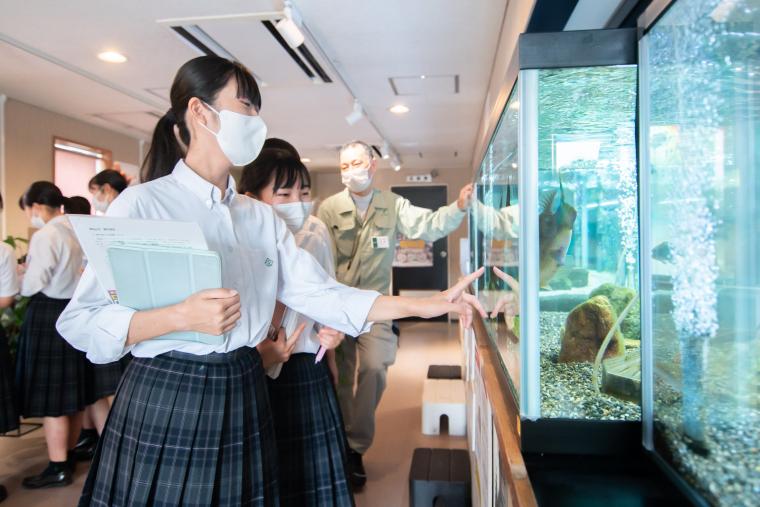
346, 235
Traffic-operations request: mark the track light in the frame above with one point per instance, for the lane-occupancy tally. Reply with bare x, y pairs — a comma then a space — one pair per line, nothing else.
356, 114
289, 29
396, 163
386, 150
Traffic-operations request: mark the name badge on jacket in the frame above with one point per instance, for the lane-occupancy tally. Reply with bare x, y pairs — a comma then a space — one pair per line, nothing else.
380, 242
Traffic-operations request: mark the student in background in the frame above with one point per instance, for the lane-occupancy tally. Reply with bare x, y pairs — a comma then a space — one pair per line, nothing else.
77, 205
313, 224
8, 291
105, 187
51, 375
104, 378
191, 422
311, 442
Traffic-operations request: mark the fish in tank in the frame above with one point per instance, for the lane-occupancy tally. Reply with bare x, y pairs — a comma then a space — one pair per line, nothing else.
589, 320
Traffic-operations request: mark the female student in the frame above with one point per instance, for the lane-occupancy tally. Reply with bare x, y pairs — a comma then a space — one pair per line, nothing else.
8, 291
191, 422
105, 186
311, 442
51, 375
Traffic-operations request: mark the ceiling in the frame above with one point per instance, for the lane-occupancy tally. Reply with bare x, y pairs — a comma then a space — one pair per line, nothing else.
371, 50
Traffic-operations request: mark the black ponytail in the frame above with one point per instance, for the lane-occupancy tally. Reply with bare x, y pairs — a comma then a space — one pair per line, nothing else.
201, 77
45, 193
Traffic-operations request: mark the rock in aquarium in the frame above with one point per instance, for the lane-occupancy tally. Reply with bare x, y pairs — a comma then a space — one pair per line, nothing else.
585, 329
620, 297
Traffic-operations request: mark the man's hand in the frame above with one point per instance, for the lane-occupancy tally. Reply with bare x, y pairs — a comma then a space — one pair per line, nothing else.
465, 196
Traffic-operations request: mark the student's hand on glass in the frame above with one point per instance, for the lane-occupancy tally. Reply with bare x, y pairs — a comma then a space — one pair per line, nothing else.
212, 311
330, 338
455, 300
465, 196
508, 302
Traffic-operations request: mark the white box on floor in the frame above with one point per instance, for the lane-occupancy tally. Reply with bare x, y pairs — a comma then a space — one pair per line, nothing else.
444, 397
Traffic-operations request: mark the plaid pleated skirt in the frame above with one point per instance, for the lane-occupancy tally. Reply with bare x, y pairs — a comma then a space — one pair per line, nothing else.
311, 441
105, 378
51, 375
187, 430
8, 413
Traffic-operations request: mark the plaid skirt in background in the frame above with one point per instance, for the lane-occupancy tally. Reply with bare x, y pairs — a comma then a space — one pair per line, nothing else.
8, 413
311, 441
51, 375
105, 378
187, 430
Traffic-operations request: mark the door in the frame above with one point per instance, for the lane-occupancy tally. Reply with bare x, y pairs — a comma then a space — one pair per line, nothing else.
420, 267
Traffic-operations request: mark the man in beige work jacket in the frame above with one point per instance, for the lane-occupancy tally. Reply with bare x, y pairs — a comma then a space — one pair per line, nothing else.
363, 222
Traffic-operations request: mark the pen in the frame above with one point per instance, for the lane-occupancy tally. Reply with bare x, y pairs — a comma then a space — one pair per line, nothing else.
320, 354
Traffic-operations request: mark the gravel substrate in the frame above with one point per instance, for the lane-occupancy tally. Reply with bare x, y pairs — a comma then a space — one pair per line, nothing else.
730, 474
566, 388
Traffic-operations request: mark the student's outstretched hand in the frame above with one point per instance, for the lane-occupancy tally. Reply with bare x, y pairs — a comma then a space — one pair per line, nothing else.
455, 300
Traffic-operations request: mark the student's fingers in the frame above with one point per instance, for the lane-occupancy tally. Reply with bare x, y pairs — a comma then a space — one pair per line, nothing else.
231, 310
297, 332
513, 284
217, 293
291, 345
230, 322
458, 288
474, 303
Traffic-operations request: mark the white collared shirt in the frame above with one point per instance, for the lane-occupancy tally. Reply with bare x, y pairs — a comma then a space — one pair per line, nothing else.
54, 261
8, 264
313, 243
260, 260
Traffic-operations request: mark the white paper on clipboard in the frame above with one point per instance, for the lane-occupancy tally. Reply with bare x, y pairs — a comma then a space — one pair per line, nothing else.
96, 234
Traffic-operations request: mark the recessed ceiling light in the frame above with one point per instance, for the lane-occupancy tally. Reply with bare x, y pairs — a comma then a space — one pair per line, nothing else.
305, 160
399, 109
423, 76
112, 57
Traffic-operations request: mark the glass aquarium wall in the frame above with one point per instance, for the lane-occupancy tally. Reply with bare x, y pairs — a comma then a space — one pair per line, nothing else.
494, 231
700, 134
578, 145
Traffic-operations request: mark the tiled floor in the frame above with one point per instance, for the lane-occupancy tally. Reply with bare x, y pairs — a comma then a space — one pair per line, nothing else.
387, 462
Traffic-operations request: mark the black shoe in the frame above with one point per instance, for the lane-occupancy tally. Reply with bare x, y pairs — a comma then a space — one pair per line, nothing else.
3, 493
357, 476
55, 475
87, 438
83, 453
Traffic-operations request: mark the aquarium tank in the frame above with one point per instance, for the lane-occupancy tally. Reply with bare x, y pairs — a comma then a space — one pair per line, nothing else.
700, 171
494, 231
581, 354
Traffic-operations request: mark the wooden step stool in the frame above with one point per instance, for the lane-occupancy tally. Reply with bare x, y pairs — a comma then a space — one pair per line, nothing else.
440, 477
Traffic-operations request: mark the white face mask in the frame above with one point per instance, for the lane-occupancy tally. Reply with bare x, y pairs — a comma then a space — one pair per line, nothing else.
240, 136
37, 222
357, 180
294, 214
100, 205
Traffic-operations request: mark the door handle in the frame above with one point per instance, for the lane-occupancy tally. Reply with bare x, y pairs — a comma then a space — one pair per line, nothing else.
443, 254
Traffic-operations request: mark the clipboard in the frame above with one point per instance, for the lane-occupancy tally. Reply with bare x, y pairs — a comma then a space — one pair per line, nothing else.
153, 277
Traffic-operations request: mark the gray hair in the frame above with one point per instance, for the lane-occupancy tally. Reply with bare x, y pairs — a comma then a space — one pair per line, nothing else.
359, 144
